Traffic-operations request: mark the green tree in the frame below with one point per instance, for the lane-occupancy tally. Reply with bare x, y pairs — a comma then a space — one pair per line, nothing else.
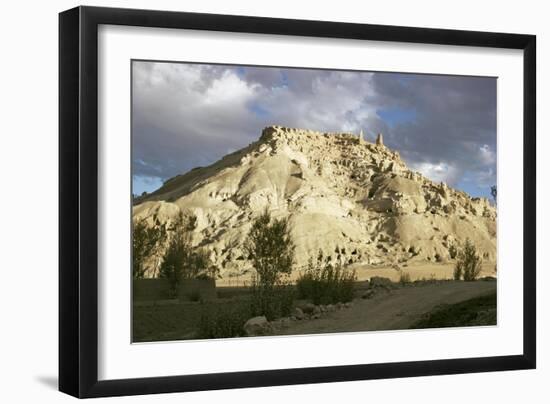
199, 265
181, 260
146, 242
468, 264
177, 252
271, 249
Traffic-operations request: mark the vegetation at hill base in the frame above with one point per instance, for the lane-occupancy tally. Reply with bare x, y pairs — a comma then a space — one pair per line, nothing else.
477, 311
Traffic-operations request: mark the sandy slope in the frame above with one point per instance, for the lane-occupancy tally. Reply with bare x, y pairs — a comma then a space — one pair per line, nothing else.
356, 202
396, 310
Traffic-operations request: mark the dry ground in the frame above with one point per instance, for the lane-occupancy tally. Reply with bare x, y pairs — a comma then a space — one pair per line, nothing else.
393, 309
397, 309
417, 271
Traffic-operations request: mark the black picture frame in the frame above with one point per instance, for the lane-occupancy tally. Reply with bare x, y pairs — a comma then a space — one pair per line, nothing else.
78, 201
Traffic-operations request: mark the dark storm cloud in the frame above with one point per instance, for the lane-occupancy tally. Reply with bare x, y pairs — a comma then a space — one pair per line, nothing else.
187, 115
453, 131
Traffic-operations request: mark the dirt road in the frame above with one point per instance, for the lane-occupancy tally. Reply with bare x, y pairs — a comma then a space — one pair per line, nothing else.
397, 309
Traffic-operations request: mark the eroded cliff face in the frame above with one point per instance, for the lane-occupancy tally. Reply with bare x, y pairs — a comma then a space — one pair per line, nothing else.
356, 201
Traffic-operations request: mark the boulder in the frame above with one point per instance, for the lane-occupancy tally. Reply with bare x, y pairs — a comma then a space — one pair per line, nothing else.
298, 314
309, 308
257, 326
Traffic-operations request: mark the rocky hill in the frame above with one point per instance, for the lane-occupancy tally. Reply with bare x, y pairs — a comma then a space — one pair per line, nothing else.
357, 201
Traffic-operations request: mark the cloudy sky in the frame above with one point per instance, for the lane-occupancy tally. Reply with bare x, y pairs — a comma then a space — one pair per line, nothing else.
189, 115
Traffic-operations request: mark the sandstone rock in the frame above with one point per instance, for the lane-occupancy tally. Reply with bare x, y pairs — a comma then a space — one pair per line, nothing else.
335, 191
379, 140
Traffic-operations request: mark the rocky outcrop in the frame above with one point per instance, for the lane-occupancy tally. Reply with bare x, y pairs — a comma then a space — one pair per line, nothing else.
356, 201
257, 326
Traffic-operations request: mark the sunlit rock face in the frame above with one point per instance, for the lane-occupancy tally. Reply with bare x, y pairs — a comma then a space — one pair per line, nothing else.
354, 200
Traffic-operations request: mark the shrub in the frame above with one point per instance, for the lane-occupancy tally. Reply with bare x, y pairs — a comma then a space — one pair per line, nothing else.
195, 296
453, 251
468, 265
272, 303
404, 278
223, 320
380, 282
324, 283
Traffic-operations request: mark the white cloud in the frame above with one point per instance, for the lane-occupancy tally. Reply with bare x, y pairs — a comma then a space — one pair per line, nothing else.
188, 114
440, 172
486, 155
228, 89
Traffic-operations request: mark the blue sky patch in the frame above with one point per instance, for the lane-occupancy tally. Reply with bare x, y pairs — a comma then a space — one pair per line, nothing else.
259, 110
394, 116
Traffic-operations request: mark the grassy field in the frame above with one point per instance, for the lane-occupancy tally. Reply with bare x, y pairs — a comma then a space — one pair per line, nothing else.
169, 321
473, 312
165, 322
419, 304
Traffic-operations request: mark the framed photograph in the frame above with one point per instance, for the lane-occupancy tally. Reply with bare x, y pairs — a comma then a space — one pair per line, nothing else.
249, 201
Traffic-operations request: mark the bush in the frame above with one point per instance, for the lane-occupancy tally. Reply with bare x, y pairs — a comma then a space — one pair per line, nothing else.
453, 251
468, 265
223, 320
272, 303
324, 283
380, 282
195, 296
404, 278
477, 311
